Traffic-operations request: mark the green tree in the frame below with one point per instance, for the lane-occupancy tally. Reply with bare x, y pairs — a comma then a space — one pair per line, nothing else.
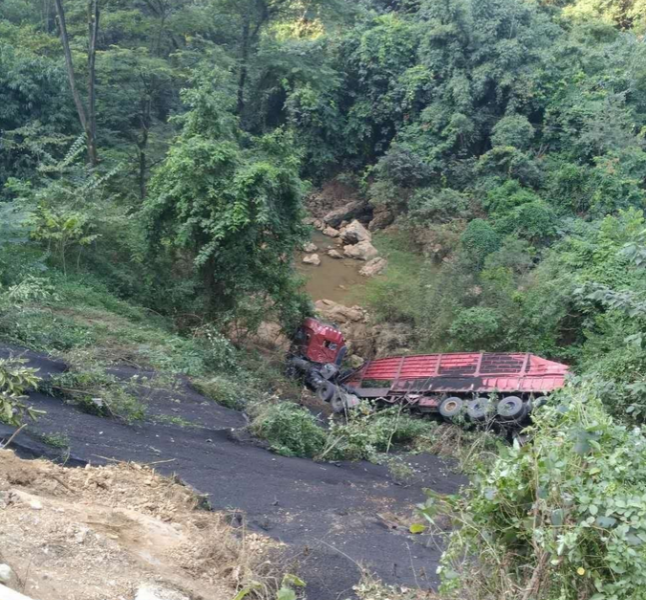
233, 203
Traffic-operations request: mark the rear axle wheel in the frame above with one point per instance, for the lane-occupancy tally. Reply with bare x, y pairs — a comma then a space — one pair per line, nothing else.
451, 407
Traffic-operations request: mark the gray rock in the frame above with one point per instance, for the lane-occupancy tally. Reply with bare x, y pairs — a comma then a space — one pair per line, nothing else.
156, 592
361, 251
312, 259
374, 267
354, 233
347, 212
5, 573
334, 254
330, 232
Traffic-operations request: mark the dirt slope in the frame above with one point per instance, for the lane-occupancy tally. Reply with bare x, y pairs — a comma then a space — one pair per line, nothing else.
331, 516
105, 533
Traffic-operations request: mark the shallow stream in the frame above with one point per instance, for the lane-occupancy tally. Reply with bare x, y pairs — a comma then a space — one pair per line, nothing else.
335, 279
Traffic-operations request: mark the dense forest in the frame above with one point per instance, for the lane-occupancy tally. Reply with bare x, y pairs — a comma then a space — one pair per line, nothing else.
160, 151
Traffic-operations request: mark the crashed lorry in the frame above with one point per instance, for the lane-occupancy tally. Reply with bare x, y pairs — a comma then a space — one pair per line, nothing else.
474, 386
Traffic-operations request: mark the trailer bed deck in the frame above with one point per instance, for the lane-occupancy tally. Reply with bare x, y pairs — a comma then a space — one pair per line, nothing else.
463, 373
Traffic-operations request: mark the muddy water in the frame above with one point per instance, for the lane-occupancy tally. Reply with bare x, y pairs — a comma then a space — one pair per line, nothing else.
335, 279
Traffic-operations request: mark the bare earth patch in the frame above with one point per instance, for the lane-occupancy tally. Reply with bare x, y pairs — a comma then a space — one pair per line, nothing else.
101, 533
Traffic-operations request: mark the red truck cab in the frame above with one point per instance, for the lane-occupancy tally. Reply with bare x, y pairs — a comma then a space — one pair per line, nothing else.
320, 343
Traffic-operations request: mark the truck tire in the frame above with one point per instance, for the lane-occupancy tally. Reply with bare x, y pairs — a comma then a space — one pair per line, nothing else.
338, 406
451, 407
511, 408
326, 391
479, 409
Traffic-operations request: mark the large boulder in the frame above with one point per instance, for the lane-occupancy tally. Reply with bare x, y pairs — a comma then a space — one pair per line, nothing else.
382, 217
374, 267
312, 259
356, 209
338, 313
361, 251
330, 232
354, 233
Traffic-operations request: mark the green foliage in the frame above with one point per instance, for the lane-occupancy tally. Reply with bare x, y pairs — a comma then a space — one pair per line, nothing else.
289, 429
429, 205
99, 393
236, 211
513, 130
15, 380
477, 328
229, 392
564, 511
369, 434
479, 240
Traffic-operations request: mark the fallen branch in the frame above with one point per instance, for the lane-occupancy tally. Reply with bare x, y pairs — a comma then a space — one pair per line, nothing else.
13, 436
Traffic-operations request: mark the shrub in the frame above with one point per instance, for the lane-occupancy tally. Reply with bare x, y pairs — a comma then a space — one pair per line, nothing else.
15, 379
367, 433
290, 430
479, 240
477, 328
432, 205
513, 130
559, 518
224, 391
99, 393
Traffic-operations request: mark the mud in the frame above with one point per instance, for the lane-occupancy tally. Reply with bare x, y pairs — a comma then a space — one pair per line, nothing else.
330, 515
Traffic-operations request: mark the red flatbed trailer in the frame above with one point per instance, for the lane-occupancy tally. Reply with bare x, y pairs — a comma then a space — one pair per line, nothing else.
431, 376
451, 384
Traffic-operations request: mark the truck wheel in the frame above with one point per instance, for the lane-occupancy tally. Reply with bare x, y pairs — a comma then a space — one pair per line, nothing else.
478, 409
451, 407
338, 406
291, 372
511, 408
326, 391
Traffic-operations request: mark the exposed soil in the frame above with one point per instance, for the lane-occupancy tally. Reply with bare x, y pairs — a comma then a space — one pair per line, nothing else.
329, 515
103, 533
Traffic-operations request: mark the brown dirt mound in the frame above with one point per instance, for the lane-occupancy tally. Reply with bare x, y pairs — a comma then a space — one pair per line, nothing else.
100, 533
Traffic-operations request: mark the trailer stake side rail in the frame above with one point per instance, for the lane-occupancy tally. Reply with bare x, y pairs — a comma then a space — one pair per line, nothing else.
459, 373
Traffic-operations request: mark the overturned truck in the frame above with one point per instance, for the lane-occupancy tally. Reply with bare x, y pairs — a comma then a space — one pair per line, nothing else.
475, 386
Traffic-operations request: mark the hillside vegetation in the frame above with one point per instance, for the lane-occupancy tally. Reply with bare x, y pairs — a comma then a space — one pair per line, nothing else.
154, 160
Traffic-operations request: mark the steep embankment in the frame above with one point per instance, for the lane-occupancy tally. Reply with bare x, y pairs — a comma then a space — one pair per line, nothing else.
332, 516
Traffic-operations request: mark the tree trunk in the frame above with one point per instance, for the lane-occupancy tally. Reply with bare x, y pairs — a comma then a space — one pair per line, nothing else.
93, 32
143, 164
88, 124
244, 63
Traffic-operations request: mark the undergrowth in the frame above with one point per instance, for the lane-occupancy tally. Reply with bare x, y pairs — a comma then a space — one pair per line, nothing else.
559, 518
98, 393
289, 429
368, 434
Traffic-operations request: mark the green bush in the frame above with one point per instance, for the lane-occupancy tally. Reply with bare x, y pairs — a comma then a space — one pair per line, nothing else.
290, 430
479, 240
15, 380
477, 328
224, 391
99, 393
513, 130
367, 433
431, 205
563, 517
